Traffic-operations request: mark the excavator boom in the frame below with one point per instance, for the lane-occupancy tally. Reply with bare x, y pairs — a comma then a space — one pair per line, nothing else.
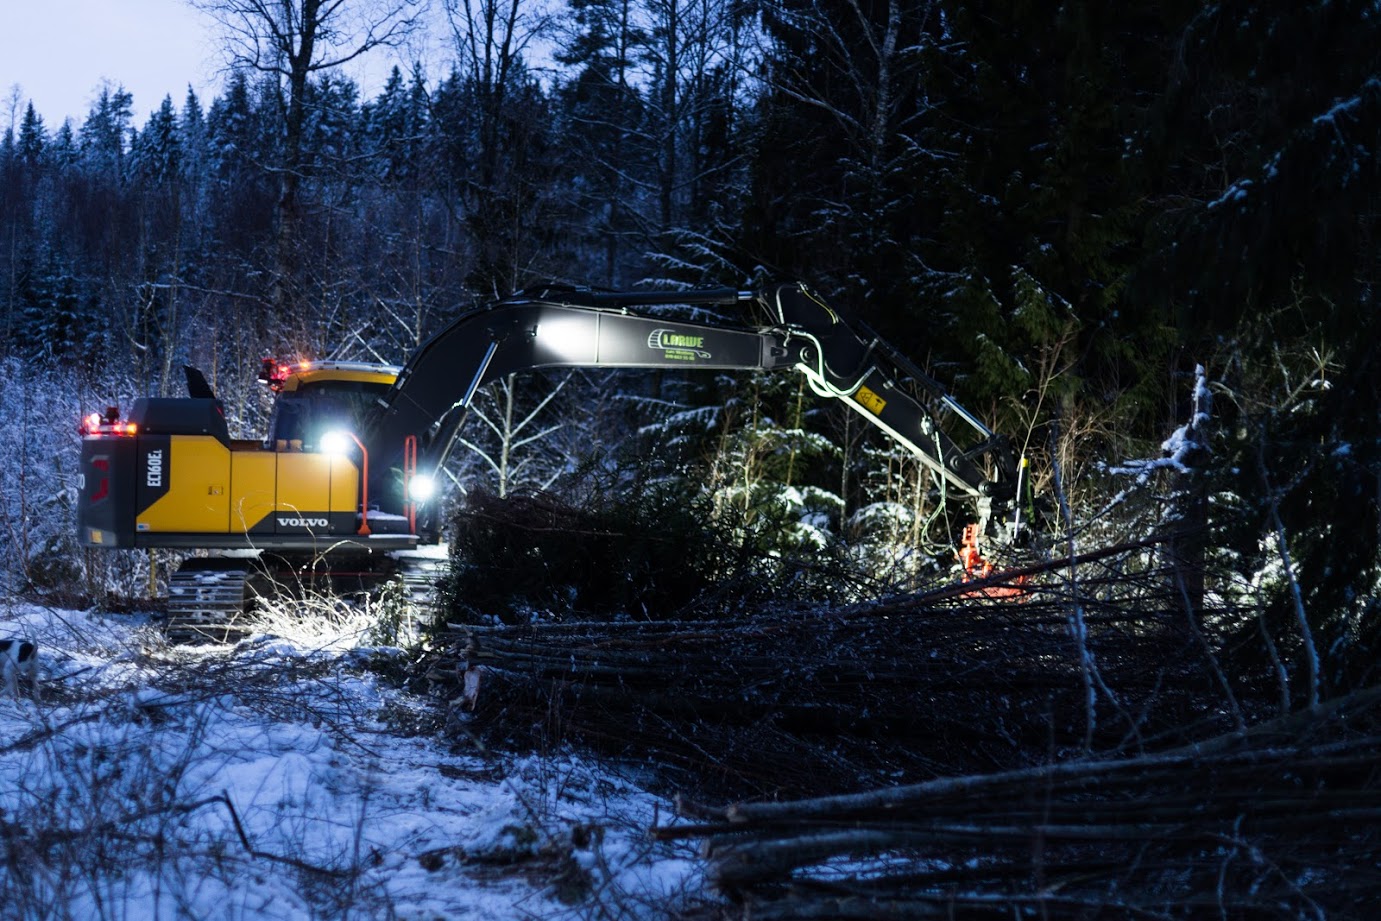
580, 328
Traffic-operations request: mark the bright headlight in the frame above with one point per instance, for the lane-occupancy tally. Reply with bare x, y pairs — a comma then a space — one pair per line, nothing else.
334, 443
421, 488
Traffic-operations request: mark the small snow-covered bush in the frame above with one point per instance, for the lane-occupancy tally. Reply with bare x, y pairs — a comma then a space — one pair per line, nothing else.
39, 414
41, 406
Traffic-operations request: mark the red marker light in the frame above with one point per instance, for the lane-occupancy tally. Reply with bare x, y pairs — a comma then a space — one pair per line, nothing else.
103, 484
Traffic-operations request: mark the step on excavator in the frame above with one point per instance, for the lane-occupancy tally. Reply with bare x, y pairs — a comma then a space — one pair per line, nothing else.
338, 493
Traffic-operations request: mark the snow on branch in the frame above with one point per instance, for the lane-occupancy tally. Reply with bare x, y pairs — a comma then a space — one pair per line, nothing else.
1185, 440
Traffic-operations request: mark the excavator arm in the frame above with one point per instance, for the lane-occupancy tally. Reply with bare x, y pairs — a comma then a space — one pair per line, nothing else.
415, 425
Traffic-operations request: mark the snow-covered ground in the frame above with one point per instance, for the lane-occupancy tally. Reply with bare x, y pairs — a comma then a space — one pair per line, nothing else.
285, 779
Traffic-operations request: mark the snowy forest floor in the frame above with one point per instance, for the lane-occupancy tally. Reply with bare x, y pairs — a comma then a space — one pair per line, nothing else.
293, 779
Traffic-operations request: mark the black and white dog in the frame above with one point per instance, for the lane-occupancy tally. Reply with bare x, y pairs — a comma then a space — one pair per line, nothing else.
19, 659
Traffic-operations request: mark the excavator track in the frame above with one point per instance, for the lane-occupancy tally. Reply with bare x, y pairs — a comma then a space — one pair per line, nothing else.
208, 601
421, 570
214, 600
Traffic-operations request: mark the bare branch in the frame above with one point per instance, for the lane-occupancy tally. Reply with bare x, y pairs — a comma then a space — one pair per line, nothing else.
295, 37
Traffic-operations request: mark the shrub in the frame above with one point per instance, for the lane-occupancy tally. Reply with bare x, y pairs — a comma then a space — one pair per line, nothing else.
644, 551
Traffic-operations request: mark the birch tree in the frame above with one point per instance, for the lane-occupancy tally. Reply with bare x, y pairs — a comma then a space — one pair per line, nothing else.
293, 41
514, 442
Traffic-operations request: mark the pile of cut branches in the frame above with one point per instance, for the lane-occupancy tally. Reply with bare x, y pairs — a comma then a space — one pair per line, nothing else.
654, 553
1280, 820
807, 699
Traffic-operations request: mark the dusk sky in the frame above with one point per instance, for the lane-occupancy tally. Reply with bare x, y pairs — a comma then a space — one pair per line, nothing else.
58, 53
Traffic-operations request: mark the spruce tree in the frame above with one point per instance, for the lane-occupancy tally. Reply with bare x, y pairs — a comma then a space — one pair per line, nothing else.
156, 158
610, 157
32, 138
105, 132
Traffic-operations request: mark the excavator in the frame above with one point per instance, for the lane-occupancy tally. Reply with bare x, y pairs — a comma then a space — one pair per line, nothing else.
341, 486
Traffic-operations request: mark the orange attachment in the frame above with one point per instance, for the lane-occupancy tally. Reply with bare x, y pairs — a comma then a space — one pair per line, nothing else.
971, 558
976, 567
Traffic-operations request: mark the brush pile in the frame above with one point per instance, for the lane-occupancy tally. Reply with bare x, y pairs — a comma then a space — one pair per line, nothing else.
810, 699
1105, 746
1277, 821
